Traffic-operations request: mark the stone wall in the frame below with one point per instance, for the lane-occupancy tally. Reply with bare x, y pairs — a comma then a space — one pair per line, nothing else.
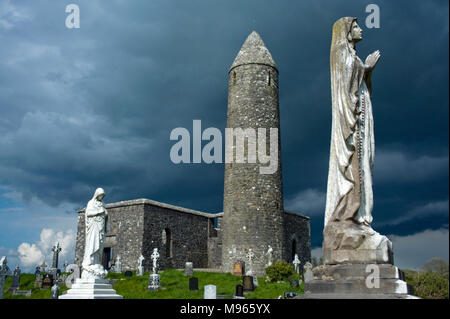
215, 246
296, 237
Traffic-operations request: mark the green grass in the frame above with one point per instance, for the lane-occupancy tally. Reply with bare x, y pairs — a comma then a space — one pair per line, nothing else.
174, 285
27, 283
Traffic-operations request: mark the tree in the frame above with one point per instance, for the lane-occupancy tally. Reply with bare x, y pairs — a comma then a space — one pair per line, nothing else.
436, 265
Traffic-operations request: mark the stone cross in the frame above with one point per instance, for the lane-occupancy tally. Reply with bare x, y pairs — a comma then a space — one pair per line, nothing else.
37, 273
43, 266
16, 279
65, 266
56, 250
55, 291
155, 256
296, 263
4, 272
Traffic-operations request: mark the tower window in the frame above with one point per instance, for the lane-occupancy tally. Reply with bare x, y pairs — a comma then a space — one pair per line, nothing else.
233, 77
294, 249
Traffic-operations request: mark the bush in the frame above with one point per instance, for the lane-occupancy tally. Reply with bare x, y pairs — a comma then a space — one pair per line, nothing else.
280, 271
428, 285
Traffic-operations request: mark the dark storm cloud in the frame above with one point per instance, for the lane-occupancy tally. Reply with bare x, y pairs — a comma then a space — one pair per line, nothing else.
95, 106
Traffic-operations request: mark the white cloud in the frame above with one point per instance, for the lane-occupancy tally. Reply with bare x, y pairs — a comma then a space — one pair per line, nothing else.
394, 166
431, 208
31, 255
309, 202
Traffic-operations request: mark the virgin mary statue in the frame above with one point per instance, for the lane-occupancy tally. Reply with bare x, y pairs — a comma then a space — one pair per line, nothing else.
348, 212
95, 219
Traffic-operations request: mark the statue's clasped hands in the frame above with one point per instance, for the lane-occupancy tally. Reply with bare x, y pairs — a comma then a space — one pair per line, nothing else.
372, 59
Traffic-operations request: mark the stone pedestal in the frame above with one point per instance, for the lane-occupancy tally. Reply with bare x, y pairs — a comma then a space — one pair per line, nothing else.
357, 281
91, 289
154, 282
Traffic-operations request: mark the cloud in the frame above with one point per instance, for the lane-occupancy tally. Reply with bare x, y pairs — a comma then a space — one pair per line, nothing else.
31, 255
398, 167
412, 251
431, 208
309, 202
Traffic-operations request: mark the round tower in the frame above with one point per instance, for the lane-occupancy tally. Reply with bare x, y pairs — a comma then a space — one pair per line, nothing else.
253, 201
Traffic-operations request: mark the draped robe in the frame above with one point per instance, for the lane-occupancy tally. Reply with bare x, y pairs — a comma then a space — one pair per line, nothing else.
349, 189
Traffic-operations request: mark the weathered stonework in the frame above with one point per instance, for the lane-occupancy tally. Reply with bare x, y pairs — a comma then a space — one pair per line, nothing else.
135, 227
297, 238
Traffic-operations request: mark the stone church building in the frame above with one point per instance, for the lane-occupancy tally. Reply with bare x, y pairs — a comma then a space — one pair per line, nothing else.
253, 217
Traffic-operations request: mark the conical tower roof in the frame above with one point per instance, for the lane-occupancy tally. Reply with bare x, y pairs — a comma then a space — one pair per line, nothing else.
253, 51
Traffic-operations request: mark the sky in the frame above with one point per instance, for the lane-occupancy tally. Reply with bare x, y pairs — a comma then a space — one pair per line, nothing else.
94, 107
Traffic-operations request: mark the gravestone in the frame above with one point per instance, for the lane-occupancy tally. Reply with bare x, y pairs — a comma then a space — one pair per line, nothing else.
188, 269
290, 294
118, 265
308, 274
140, 269
248, 283
294, 283
47, 282
55, 292
4, 273
38, 277
239, 291
65, 266
15, 285
154, 281
26, 293
269, 256
193, 283
43, 266
237, 268
210, 292
128, 273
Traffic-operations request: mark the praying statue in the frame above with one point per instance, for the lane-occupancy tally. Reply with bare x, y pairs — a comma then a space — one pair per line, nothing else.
349, 204
96, 218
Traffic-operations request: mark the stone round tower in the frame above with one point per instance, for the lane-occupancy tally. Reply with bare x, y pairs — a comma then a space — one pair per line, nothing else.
253, 201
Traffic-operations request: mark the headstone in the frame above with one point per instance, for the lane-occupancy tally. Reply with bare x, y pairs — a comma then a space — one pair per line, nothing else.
210, 292
239, 291
250, 256
47, 282
128, 273
308, 274
155, 256
26, 293
296, 263
140, 269
55, 291
118, 265
188, 269
15, 285
237, 268
37, 273
295, 283
193, 283
56, 250
248, 283
4, 273
154, 281
290, 294
75, 274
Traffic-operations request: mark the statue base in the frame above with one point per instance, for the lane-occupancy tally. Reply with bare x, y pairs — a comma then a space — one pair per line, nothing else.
91, 289
350, 243
154, 282
357, 281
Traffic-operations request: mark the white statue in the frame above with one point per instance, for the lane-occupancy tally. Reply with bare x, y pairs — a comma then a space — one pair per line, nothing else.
349, 204
96, 218
155, 256
296, 263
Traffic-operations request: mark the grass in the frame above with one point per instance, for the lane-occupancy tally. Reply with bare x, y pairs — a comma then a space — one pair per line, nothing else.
174, 285
27, 283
